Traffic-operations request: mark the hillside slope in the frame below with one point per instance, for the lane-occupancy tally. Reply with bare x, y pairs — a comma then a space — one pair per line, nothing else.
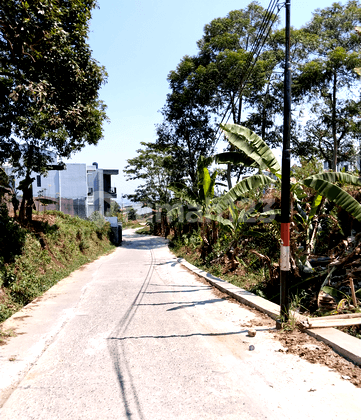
35, 257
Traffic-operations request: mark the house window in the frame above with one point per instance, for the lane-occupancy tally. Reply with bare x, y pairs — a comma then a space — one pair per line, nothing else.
38, 180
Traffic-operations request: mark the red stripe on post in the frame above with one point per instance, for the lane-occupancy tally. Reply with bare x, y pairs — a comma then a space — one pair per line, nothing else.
285, 234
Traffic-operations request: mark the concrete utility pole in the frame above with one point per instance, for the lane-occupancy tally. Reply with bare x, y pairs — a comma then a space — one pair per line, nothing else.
286, 171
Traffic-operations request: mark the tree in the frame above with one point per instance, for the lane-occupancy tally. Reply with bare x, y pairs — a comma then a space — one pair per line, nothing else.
185, 139
155, 168
49, 84
216, 76
114, 209
132, 214
218, 80
327, 79
201, 202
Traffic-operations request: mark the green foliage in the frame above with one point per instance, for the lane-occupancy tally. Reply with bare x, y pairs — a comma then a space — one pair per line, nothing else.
258, 154
214, 81
153, 166
307, 168
202, 202
98, 219
144, 231
114, 210
4, 183
242, 188
49, 85
251, 275
202, 197
324, 185
49, 254
326, 78
12, 237
132, 214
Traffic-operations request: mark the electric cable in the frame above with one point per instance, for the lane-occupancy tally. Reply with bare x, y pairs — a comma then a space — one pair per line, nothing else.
257, 46
261, 37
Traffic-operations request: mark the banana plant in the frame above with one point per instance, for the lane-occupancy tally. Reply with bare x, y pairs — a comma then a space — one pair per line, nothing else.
201, 201
263, 158
341, 298
255, 153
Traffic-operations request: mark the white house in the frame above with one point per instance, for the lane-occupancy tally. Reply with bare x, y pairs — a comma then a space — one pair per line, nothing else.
77, 189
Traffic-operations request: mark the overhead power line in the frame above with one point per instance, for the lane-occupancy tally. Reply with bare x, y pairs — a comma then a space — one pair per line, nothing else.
263, 33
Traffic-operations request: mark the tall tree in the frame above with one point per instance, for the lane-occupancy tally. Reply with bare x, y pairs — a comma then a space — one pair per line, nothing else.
154, 168
49, 84
218, 79
186, 139
327, 79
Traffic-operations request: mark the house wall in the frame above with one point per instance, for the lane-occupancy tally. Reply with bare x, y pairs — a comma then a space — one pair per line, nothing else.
73, 186
49, 184
68, 187
74, 181
78, 189
96, 183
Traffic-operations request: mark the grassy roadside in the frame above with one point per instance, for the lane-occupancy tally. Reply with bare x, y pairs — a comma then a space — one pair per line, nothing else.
242, 278
253, 281
132, 224
49, 249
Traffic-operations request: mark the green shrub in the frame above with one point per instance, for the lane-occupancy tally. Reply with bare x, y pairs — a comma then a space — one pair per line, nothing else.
48, 254
12, 236
132, 214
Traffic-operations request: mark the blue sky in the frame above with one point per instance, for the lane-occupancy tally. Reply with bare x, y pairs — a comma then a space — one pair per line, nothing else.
139, 42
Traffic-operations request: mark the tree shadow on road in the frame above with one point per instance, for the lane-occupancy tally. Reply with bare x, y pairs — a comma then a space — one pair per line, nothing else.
182, 305
143, 243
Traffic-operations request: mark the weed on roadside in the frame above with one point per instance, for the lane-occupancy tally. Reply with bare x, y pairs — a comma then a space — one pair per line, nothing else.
4, 335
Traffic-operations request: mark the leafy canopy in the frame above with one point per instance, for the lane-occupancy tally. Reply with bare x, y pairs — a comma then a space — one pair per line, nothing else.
49, 82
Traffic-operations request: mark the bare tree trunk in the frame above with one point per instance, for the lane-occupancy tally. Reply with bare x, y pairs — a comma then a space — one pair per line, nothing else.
27, 203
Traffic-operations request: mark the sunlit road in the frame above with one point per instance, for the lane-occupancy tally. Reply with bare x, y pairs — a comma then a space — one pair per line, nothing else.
145, 339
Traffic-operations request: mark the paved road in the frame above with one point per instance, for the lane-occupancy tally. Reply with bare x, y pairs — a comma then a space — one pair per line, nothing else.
134, 335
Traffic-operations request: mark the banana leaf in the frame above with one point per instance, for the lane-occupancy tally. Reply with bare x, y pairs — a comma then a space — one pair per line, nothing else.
270, 215
204, 162
338, 177
335, 293
235, 158
253, 146
334, 193
219, 219
208, 183
242, 188
314, 207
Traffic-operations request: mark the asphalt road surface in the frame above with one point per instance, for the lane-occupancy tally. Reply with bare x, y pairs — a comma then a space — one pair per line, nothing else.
134, 335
